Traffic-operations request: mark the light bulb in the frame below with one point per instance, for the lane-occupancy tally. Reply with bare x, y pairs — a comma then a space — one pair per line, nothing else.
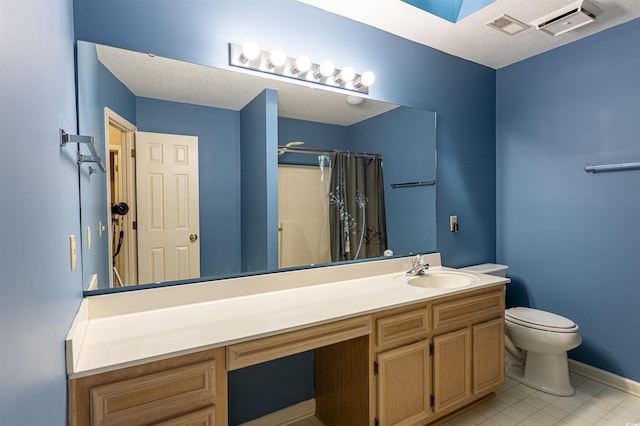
278, 58
326, 68
303, 64
250, 51
346, 75
367, 78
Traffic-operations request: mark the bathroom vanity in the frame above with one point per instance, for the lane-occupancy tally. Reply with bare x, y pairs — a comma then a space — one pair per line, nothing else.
385, 352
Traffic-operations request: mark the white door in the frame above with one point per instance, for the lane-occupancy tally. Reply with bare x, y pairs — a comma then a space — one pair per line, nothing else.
168, 207
303, 216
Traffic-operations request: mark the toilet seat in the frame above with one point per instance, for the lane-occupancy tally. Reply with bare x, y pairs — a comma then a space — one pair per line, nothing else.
540, 320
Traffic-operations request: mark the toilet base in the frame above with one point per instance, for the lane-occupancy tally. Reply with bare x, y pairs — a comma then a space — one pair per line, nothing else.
545, 372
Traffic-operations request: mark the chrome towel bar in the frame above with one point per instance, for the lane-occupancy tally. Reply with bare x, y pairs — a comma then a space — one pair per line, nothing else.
612, 167
66, 138
417, 183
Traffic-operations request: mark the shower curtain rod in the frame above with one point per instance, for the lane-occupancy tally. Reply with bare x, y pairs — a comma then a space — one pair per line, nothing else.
284, 149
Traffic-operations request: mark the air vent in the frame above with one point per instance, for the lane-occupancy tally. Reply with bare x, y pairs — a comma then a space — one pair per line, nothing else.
568, 18
507, 25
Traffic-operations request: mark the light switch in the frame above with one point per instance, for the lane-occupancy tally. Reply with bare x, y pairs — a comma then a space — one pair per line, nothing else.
73, 251
88, 237
453, 223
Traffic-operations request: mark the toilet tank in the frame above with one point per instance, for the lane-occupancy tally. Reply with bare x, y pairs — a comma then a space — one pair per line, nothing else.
489, 269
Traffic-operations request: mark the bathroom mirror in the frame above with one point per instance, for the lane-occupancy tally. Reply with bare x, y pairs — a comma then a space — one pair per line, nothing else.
122, 92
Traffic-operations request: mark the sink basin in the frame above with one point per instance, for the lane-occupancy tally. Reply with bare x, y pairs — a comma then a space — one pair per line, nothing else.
442, 279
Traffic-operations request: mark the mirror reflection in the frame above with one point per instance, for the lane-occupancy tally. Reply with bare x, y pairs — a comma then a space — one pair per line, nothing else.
198, 189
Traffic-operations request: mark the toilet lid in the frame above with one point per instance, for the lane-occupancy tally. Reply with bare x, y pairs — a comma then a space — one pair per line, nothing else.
538, 319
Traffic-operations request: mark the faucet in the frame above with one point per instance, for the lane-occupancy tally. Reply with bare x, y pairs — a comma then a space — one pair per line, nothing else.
418, 266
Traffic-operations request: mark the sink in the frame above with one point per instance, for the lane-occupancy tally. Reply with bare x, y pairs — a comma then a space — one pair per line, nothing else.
442, 279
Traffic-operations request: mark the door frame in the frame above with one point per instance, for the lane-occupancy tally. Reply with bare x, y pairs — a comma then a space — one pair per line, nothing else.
130, 250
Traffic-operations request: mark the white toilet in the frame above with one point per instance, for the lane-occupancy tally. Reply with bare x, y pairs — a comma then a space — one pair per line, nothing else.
536, 343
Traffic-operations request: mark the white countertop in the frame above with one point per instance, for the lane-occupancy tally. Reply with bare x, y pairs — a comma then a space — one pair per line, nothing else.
119, 330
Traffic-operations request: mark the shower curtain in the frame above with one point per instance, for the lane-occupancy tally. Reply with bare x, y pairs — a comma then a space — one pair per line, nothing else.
356, 207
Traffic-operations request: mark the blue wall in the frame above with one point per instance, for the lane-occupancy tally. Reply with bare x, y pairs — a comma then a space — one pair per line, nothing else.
406, 139
97, 88
571, 238
462, 93
39, 294
259, 182
314, 135
218, 132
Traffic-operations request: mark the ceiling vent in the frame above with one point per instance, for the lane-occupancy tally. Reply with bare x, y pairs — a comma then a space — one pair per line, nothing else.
507, 25
570, 17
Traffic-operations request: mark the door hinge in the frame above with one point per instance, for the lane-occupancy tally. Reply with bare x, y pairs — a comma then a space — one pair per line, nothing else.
430, 349
376, 422
432, 400
375, 368
134, 224
133, 153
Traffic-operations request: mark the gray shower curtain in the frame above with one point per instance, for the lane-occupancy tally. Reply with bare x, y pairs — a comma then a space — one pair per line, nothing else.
356, 208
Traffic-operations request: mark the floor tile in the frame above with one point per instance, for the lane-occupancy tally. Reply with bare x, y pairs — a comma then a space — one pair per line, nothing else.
516, 404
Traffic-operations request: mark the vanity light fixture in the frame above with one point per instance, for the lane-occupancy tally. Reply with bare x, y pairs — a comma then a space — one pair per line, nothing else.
250, 51
302, 65
366, 79
346, 75
326, 69
276, 62
277, 58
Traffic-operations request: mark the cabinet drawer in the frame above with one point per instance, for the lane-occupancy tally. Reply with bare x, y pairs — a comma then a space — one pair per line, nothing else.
154, 397
400, 328
204, 417
467, 310
281, 345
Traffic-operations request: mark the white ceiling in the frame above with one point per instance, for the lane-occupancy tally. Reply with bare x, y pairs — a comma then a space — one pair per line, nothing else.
470, 38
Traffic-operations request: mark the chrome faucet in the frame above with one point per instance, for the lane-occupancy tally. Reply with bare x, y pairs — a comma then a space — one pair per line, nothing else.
418, 266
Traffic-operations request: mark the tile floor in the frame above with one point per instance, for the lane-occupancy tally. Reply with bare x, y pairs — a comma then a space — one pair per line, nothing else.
516, 404
593, 404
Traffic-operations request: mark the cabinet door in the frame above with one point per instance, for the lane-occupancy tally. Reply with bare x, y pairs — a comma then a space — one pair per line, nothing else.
403, 385
488, 355
451, 369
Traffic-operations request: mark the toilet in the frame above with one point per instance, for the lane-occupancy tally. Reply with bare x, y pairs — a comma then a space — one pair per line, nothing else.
536, 343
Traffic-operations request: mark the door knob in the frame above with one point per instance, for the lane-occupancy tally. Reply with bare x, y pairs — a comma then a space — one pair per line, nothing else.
193, 237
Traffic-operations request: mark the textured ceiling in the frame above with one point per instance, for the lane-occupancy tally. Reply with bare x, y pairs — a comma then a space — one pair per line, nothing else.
155, 77
470, 38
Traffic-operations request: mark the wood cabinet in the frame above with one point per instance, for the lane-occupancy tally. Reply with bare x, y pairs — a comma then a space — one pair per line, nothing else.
404, 383
468, 349
488, 355
451, 369
435, 358
402, 366
186, 390
407, 366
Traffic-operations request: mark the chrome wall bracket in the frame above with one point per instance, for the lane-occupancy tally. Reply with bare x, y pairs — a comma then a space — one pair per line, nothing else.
94, 157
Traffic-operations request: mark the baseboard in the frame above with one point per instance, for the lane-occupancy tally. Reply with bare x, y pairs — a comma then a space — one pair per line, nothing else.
287, 415
618, 382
